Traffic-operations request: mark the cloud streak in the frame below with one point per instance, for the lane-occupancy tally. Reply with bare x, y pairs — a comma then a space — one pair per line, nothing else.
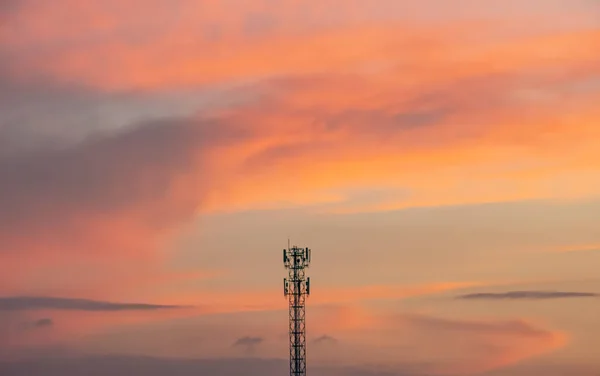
26, 303
248, 341
528, 295
249, 344
325, 340
43, 323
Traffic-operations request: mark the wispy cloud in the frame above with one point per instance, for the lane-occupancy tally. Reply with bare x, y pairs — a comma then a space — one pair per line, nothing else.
317, 41
24, 303
43, 323
528, 295
325, 340
478, 326
249, 344
248, 341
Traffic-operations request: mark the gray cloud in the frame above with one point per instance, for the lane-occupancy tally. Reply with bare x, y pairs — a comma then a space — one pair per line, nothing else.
43, 323
528, 295
8, 7
42, 113
10, 322
133, 173
249, 344
325, 339
23, 303
248, 341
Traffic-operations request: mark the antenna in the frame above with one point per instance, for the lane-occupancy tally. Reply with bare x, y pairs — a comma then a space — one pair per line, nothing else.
297, 288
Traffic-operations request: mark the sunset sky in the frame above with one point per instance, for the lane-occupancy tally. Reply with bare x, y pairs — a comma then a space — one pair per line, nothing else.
441, 158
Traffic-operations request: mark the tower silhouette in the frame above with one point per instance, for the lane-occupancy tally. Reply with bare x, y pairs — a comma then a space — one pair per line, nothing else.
296, 288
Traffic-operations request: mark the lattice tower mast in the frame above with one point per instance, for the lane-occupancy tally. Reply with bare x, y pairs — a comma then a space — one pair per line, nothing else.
296, 288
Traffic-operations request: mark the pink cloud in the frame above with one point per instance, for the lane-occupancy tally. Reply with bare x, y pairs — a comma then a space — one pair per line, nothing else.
112, 199
365, 338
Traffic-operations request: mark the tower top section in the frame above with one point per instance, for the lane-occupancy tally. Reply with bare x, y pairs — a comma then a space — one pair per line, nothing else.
296, 258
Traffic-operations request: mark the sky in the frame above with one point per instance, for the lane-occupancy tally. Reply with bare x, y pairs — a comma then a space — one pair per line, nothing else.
440, 158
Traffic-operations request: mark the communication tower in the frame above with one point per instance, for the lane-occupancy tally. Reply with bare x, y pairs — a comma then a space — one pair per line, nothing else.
296, 287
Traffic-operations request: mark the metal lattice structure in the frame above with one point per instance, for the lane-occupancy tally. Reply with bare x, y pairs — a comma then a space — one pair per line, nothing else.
296, 288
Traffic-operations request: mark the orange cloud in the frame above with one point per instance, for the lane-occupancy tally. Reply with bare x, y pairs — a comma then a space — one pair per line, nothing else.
502, 156
515, 129
215, 43
426, 344
490, 344
574, 248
